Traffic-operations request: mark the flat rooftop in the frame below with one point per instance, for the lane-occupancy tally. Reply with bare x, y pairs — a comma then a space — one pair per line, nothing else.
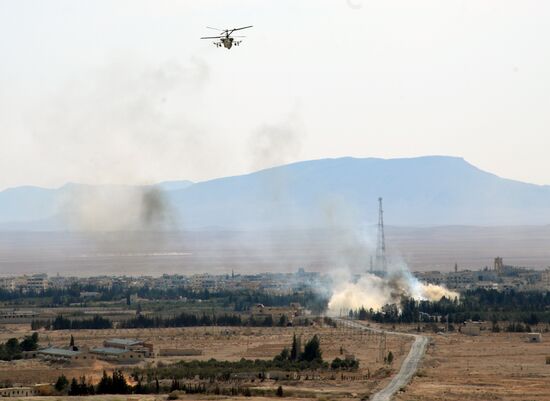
124, 341
108, 351
53, 351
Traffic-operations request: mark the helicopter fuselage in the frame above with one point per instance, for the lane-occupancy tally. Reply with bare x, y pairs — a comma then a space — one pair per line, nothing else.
227, 42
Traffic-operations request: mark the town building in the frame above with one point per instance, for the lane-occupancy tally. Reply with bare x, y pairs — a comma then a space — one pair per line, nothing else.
58, 354
19, 392
259, 311
534, 337
471, 328
17, 316
131, 344
119, 355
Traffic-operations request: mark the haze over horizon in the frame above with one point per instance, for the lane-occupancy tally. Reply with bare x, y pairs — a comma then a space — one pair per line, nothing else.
325, 193
182, 182
125, 92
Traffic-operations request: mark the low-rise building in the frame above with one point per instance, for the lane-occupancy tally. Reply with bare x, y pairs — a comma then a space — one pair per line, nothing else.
58, 354
17, 316
471, 328
534, 337
179, 352
259, 311
18, 392
120, 355
131, 344
37, 283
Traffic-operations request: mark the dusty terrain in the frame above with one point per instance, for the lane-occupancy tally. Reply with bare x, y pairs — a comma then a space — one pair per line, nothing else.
231, 344
493, 366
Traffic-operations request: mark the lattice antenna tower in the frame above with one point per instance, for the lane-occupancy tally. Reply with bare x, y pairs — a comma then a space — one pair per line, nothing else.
381, 263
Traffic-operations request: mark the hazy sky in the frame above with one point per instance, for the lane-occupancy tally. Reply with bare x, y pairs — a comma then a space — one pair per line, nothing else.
125, 92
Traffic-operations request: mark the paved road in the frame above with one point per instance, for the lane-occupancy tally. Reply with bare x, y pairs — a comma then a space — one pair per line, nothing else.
408, 367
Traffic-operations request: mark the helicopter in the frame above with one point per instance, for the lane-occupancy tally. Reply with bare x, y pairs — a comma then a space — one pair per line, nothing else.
225, 38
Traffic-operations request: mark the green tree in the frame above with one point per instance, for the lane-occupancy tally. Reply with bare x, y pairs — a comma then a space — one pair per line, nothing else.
312, 350
294, 351
29, 343
61, 383
75, 388
105, 385
279, 392
390, 358
284, 355
12, 345
119, 383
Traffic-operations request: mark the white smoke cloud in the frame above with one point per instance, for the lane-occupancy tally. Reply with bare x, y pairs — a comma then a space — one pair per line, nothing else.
371, 291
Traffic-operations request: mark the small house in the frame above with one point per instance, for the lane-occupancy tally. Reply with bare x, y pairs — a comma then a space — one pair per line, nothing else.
534, 337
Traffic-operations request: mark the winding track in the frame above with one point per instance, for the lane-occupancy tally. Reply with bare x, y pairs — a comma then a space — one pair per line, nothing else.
408, 367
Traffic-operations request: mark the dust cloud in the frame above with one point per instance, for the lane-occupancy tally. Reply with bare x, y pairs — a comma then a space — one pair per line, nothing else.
372, 291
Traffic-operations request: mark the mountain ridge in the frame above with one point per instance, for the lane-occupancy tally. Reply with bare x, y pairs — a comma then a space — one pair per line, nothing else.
426, 190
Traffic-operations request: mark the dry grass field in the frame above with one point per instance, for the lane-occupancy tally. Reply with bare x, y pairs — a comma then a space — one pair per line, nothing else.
492, 366
229, 344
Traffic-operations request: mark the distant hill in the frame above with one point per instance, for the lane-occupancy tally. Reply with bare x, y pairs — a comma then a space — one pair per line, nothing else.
422, 191
432, 190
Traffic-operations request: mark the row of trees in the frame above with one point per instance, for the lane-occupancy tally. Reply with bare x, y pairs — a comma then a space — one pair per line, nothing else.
529, 308
62, 323
143, 322
312, 354
239, 300
222, 370
113, 384
185, 320
344, 364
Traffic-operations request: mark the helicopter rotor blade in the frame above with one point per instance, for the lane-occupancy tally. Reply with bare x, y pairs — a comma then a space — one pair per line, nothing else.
244, 27
212, 37
216, 29
238, 29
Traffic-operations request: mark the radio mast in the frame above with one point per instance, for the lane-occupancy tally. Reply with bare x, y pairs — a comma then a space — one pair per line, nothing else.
381, 263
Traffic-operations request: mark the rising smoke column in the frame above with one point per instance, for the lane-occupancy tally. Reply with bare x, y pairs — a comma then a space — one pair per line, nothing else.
374, 291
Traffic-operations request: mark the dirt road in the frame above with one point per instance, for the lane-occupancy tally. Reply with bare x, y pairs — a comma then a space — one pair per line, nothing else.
408, 367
